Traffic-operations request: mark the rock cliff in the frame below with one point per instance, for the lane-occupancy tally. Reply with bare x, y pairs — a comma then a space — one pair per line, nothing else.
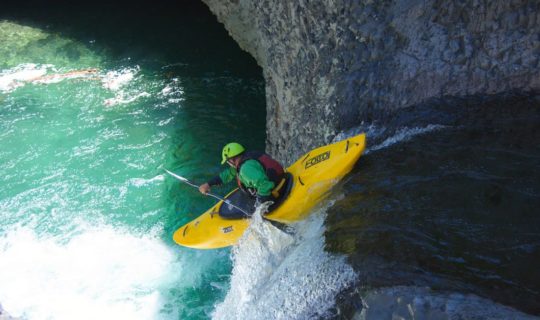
331, 64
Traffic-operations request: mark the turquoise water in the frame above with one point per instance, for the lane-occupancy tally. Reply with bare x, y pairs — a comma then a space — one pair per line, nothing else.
86, 214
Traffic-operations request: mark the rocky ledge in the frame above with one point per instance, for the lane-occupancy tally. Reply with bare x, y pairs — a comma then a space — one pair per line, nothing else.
329, 65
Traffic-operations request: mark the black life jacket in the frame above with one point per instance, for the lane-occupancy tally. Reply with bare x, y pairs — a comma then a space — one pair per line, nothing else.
274, 170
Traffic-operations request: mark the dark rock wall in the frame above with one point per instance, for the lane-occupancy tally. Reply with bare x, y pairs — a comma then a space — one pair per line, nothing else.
330, 64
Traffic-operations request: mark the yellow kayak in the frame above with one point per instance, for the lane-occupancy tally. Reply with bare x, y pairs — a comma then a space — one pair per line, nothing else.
310, 179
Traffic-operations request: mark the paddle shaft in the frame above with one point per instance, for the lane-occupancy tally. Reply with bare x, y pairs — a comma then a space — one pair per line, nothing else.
186, 181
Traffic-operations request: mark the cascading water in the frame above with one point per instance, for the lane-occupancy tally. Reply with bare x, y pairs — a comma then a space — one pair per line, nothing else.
280, 275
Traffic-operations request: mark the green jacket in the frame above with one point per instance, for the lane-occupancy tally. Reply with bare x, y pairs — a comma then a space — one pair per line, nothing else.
252, 175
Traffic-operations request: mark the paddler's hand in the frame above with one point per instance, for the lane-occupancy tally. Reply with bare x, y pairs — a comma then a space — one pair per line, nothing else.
204, 189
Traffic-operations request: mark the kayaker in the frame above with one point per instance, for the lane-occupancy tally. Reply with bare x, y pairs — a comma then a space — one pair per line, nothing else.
256, 173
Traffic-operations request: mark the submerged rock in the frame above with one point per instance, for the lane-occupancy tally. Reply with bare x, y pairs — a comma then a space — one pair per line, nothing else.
329, 65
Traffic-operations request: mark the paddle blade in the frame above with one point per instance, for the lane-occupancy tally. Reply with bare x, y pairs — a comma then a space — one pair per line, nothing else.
176, 176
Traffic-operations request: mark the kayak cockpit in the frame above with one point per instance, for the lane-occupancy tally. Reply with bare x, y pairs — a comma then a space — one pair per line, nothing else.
247, 203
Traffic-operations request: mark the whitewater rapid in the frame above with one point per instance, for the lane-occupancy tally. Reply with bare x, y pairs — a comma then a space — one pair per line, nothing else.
55, 278
280, 275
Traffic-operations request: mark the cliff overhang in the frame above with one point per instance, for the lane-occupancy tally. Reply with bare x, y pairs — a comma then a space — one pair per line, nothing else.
329, 65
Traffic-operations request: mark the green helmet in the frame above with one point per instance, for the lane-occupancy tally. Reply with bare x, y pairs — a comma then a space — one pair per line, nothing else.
231, 150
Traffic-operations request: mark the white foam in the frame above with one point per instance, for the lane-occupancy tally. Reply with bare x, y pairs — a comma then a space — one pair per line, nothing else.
124, 98
404, 134
18, 76
277, 275
4, 315
140, 182
116, 79
35, 73
173, 91
374, 131
371, 131
100, 273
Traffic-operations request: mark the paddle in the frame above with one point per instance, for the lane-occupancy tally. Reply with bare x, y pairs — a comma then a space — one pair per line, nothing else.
186, 181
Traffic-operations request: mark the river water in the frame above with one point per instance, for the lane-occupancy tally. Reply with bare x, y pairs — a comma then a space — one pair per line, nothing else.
441, 210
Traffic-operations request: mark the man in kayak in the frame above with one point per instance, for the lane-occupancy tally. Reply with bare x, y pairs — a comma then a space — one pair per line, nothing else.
256, 173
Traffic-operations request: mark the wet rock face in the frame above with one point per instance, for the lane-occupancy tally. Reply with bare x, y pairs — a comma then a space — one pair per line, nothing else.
329, 65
